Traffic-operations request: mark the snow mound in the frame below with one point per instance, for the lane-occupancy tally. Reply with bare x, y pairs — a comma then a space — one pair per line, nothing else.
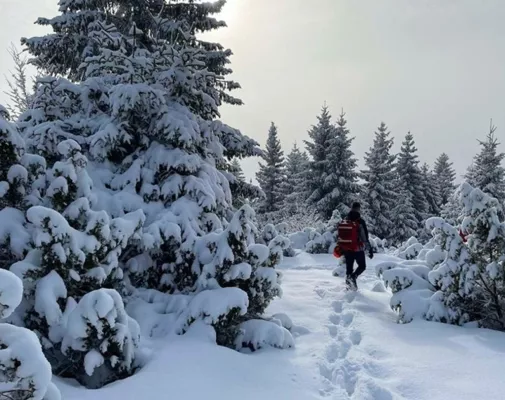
257, 334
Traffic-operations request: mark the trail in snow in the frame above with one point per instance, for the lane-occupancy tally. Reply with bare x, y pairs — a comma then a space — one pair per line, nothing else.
347, 370
354, 349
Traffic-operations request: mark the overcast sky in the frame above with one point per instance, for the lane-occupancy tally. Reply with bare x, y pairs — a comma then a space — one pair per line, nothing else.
436, 68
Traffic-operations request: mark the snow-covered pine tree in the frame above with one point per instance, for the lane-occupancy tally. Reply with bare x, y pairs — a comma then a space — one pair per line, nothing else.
487, 172
405, 224
136, 27
320, 135
451, 211
146, 117
332, 177
379, 184
237, 171
411, 179
484, 281
22, 183
471, 280
80, 19
76, 251
431, 191
241, 190
445, 177
271, 173
294, 187
100, 339
26, 374
342, 181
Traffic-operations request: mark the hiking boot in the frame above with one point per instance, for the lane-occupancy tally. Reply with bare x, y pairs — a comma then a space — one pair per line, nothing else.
354, 284
348, 281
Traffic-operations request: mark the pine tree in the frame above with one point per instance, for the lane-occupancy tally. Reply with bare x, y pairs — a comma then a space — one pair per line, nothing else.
271, 174
405, 224
320, 135
137, 38
379, 186
431, 190
487, 172
77, 251
84, 18
236, 170
294, 187
332, 178
445, 177
22, 184
471, 281
411, 179
143, 108
26, 374
242, 191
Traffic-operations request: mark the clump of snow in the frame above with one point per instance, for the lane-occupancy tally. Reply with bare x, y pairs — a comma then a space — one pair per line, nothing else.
378, 287
284, 320
257, 334
11, 293
213, 306
25, 369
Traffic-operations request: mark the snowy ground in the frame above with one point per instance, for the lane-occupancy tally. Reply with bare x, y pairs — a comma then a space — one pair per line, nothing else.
348, 346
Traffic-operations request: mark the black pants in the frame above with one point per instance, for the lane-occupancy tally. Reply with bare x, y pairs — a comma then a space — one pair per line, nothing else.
359, 257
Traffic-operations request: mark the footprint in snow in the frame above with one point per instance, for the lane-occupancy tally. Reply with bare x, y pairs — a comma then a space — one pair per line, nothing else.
347, 319
333, 329
355, 337
337, 306
335, 319
371, 390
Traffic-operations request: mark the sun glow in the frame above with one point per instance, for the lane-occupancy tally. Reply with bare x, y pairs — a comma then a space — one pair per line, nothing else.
230, 11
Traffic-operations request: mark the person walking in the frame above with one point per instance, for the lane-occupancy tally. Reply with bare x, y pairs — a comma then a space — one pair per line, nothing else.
353, 241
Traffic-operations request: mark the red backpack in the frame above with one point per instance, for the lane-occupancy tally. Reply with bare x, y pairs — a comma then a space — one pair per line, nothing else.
348, 236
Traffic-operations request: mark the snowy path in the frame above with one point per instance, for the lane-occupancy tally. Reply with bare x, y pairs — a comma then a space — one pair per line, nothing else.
346, 368
356, 350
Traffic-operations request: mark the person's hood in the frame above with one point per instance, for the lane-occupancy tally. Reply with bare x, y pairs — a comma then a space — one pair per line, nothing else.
353, 215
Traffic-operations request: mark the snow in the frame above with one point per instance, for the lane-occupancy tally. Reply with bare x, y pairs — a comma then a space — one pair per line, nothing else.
346, 345
11, 293
22, 361
211, 305
257, 334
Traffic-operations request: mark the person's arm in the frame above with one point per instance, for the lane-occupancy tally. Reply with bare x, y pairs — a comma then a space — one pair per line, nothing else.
365, 228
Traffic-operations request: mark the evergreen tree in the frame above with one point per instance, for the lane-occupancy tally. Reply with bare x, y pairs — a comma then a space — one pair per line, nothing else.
320, 135
332, 178
145, 115
137, 40
272, 174
295, 185
84, 18
379, 184
487, 172
411, 179
445, 177
241, 190
431, 190
22, 184
405, 224
236, 170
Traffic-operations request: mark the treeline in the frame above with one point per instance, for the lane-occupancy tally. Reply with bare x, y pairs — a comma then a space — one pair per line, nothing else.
399, 191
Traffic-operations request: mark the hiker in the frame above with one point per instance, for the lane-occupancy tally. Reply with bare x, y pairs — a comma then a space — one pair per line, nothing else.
353, 241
